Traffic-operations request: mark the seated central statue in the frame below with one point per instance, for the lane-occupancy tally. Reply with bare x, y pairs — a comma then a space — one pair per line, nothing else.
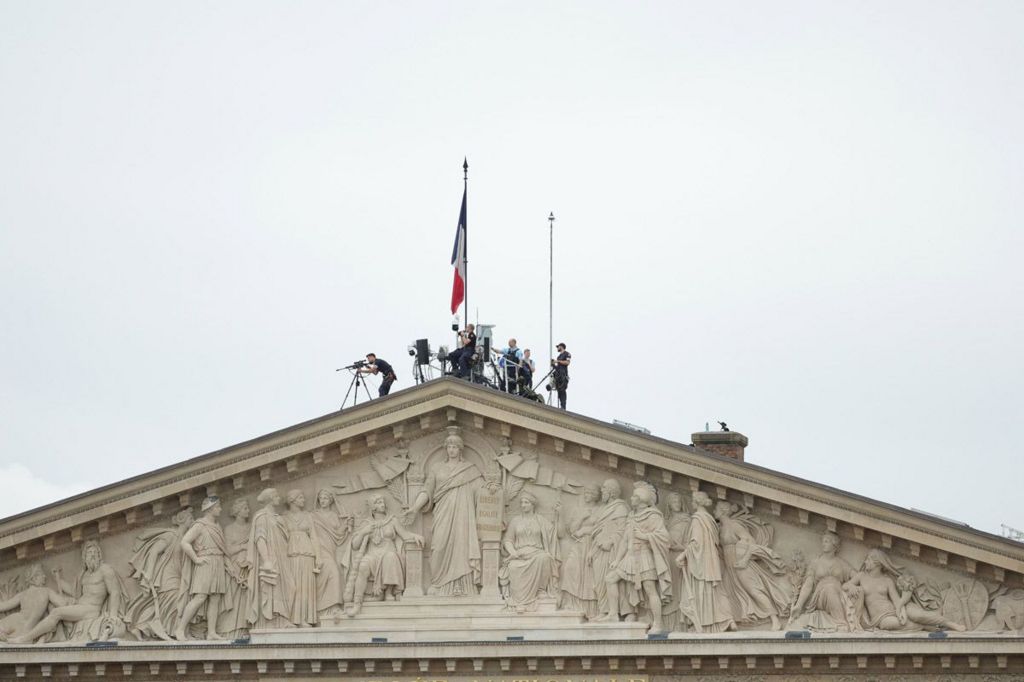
531, 569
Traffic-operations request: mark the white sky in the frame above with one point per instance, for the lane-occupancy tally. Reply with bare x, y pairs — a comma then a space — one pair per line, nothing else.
801, 218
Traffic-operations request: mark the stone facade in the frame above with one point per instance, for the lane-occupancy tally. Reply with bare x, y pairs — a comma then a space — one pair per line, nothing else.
448, 531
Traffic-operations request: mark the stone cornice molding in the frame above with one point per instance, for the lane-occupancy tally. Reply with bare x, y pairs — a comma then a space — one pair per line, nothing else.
578, 659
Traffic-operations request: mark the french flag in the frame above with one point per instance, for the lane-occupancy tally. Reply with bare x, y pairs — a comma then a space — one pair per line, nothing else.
459, 259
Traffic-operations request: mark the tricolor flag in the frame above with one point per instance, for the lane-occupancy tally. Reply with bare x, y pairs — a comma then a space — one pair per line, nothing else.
459, 259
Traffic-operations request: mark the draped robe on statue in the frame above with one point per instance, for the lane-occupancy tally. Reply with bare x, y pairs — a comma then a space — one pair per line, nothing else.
707, 605
454, 546
678, 525
234, 610
335, 552
609, 522
577, 580
754, 574
531, 573
646, 558
270, 588
157, 562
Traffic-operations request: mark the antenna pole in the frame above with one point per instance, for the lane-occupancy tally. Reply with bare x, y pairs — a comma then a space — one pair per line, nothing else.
551, 292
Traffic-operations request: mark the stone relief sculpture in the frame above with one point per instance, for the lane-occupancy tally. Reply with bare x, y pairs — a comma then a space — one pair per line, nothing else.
577, 579
232, 622
639, 572
609, 523
678, 525
706, 602
714, 570
206, 570
754, 575
156, 564
883, 598
270, 584
386, 471
450, 492
530, 569
821, 595
518, 468
304, 560
1007, 611
377, 551
31, 603
332, 529
94, 609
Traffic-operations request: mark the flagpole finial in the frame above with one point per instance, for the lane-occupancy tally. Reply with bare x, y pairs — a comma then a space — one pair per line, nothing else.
465, 168
552, 217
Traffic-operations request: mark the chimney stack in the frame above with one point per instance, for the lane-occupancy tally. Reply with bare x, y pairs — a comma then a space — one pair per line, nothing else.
727, 443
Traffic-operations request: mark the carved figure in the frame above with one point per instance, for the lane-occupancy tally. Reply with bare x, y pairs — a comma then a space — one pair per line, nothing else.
609, 522
517, 468
822, 593
332, 529
386, 471
577, 580
706, 603
880, 603
1008, 610
378, 545
205, 574
32, 603
755, 576
530, 569
232, 621
678, 524
304, 559
270, 583
94, 610
157, 561
450, 490
640, 568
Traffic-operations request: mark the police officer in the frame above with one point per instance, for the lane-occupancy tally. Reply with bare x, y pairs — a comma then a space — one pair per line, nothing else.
375, 365
510, 359
560, 379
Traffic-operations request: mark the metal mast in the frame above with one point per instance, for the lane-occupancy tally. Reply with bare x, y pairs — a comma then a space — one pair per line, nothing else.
551, 293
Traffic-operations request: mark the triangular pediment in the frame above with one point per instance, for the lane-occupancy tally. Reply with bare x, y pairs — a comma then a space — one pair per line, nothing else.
364, 450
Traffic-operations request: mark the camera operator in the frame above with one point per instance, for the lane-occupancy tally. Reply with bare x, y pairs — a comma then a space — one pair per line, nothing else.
377, 366
461, 357
510, 359
560, 379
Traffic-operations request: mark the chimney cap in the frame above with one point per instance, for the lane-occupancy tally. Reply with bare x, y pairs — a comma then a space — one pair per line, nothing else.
727, 443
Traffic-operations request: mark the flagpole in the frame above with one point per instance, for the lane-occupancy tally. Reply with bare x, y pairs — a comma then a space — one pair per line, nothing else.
551, 293
465, 237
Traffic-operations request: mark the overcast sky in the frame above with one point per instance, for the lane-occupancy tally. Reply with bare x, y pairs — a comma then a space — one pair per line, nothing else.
800, 218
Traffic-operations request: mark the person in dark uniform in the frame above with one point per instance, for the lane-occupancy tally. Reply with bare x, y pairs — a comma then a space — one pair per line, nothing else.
377, 366
560, 379
461, 357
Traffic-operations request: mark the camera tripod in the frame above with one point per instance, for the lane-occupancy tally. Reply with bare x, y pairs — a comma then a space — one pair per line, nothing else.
357, 381
541, 382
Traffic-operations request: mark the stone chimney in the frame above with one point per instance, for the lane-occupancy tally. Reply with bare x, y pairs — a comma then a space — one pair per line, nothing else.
728, 443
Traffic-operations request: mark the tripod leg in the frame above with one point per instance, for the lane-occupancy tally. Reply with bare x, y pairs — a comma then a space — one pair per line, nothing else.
355, 380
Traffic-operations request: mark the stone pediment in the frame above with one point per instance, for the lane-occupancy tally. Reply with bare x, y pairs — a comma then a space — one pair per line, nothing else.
508, 528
